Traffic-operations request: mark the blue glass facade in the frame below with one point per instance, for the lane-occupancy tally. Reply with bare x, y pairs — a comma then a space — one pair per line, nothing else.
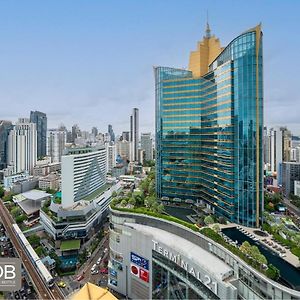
209, 132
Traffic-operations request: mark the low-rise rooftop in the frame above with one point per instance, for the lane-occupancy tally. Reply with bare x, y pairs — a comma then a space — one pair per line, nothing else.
70, 245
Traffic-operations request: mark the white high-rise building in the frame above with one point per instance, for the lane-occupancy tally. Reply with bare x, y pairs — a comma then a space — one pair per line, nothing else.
22, 146
280, 147
56, 141
146, 144
110, 156
134, 134
83, 172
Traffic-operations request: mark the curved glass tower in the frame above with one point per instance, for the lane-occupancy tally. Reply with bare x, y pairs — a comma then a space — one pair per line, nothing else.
209, 123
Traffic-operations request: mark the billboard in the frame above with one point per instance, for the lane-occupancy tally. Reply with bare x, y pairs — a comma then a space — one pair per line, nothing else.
139, 261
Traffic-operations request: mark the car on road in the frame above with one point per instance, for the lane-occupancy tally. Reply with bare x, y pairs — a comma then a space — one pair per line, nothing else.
104, 271
105, 250
80, 277
61, 284
99, 260
94, 272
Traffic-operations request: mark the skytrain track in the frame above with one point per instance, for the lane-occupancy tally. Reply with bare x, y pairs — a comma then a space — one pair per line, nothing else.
41, 287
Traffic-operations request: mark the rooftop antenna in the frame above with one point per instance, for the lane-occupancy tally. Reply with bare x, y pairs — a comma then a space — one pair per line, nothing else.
207, 31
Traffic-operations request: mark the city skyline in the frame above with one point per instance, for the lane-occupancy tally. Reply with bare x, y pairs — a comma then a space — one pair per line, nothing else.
79, 46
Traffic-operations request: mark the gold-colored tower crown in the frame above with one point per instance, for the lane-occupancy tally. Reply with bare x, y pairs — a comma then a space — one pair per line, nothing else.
207, 50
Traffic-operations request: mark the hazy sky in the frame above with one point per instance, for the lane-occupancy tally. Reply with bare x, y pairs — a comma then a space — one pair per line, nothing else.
91, 62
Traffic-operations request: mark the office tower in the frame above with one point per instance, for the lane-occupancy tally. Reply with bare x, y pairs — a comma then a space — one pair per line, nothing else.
295, 142
287, 143
56, 142
83, 172
146, 144
289, 173
40, 119
94, 131
266, 147
111, 156
123, 149
5, 127
134, 134
293, 154
125, 136
209, 128
280, 147
75, 133
141, 156
111, 133
22, 146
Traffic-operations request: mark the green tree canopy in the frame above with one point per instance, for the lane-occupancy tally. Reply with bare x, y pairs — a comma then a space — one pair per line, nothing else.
1, 191
208, 220
34, 240
21, 218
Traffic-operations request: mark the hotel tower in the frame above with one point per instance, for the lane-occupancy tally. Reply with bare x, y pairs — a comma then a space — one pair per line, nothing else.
209, 128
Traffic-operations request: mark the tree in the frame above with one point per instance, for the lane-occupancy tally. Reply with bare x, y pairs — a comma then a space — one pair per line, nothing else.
114, 201
151, 188
54, 256
123, 203
296, 239
39, 250
246, 248
257, 256
216, 228
160, 208
149, 201
208, 220
2, 191
83, 256
132, 201
8, 197
21, 218
261, 259
50, 191
273, 272
34, 240
16, 211
139, 201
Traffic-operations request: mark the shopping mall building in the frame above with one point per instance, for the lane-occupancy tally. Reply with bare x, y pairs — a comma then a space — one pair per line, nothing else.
151, 258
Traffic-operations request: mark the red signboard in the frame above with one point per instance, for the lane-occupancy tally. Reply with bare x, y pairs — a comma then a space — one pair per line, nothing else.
144, 275
134, 270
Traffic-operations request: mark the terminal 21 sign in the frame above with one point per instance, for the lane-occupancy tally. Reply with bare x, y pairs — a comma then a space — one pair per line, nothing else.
176, 258
139, 267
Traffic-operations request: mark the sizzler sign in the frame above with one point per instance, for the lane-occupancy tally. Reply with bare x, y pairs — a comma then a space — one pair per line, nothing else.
139, 267
140, 261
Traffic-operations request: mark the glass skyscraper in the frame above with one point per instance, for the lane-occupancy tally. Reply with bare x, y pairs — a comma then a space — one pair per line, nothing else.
40, 119
209, 128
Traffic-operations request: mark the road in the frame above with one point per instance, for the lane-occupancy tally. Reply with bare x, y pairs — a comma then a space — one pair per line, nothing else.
42, 289
292, 207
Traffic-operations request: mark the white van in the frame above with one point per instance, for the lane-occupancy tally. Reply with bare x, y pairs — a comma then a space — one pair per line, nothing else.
93, 267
